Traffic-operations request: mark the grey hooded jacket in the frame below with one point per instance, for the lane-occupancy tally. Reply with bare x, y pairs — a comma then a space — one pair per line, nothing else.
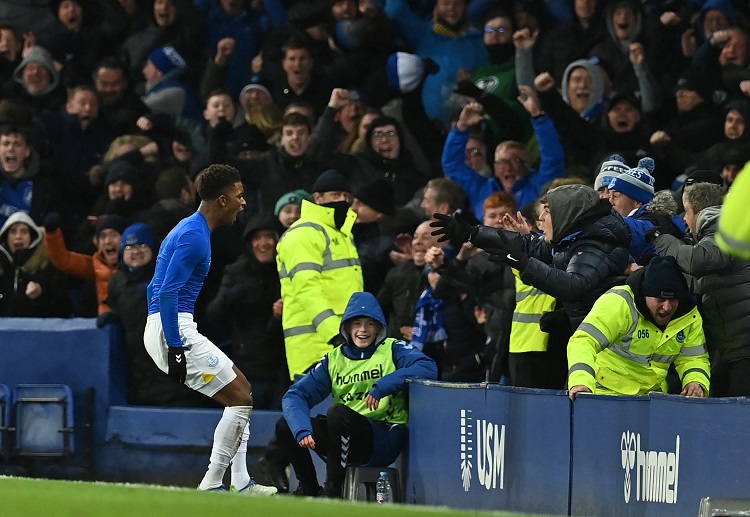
722, 281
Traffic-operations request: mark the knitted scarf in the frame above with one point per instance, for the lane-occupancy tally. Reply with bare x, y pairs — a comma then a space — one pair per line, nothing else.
428, 322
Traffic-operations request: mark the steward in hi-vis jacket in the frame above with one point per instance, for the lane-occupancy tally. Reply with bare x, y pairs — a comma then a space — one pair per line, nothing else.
319, 270
634, 332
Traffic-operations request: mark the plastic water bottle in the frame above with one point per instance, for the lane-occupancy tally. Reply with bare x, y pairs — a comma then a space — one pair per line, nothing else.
383, 493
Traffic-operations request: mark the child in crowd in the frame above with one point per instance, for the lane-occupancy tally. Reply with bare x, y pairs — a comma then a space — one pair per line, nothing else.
366, 424
288, 207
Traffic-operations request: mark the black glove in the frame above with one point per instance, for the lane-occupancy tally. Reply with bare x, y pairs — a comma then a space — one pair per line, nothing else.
177, 364
108, 318
452, 228
337, 340
237, 293
508, 254
468, 88
51, 222
555, 322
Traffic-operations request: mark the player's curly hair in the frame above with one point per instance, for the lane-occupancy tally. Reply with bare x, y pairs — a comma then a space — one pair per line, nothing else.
215, 179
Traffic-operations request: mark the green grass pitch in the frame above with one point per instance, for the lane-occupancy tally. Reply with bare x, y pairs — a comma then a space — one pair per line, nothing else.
24, 497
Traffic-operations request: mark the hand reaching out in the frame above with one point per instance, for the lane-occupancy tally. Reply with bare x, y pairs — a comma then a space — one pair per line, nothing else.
516, 224
29, 42
470, 116
435, 257
524, 39
637, 55
403, 252
544, 82
339, 98
529, 100
224, 49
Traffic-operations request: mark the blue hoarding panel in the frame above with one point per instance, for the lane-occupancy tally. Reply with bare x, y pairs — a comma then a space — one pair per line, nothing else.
488, 447
442, 443
606, 432
707, 441
537, 446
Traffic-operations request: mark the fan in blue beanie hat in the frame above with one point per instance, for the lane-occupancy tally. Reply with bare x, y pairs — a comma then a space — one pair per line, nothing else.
137, 234
611, 167
167, 59
637, 184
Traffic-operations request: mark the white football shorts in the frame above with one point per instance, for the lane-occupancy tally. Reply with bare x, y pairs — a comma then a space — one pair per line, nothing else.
208, 368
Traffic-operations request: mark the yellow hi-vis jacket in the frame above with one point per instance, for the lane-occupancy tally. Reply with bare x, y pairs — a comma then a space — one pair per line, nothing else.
733, 236
531, 303
319, 270
616, 350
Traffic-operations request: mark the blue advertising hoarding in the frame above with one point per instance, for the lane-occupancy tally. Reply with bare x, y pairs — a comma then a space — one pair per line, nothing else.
606, 430
489, 447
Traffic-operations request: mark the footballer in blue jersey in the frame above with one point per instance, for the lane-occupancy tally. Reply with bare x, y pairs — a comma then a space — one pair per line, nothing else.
172, 338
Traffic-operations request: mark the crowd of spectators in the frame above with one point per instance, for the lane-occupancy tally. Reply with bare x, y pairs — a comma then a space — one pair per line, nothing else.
575, 135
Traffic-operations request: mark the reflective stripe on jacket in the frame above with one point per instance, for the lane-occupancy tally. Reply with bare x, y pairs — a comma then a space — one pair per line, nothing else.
531, 303
319, 270
734, 225
617, 351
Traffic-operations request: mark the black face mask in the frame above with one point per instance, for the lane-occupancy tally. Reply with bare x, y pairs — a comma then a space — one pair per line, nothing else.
340, 209
500, 52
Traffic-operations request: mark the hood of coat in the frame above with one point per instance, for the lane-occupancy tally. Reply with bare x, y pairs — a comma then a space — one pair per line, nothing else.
707, 222
578, 209
362, 304
42, 56
637, 26
597, 82
19, 217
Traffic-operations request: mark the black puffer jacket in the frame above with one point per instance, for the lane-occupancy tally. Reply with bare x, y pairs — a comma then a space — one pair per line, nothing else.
589, 256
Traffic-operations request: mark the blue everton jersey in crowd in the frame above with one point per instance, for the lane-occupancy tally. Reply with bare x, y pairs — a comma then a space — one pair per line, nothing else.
181, 267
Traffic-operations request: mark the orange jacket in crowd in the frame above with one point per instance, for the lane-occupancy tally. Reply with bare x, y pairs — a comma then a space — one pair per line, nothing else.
88, 267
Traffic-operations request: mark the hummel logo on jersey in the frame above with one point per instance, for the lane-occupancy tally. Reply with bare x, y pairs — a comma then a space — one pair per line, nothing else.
178, 358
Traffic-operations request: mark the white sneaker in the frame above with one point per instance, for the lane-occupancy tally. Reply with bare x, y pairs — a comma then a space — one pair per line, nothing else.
253, 488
